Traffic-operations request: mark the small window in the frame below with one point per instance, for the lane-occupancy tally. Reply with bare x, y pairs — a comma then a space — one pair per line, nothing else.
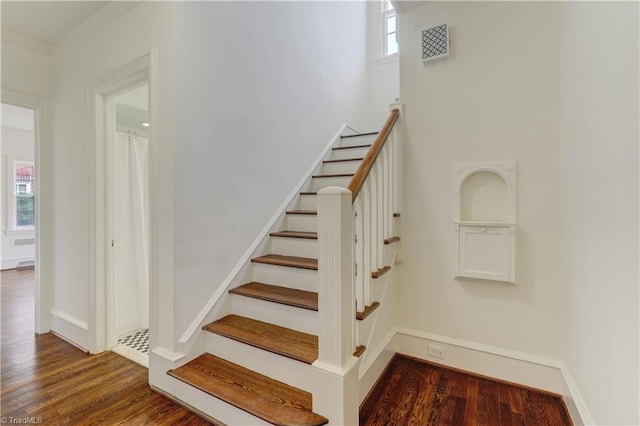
390, 26
24, 195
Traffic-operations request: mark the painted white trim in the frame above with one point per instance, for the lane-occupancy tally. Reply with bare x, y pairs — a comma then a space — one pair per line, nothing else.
100, 91
71, 329
25, 42
573, 399
195, 325
102, 17
44, 229
166, 354
14, 262
479, 347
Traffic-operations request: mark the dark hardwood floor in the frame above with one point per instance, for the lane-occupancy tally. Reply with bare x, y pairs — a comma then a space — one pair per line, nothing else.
414, 392
43, 377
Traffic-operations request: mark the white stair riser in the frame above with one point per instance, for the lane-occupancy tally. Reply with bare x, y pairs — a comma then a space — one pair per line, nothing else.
300, 247
301, 279
303, 320
339, 167
339, 154
308, 202
302, 222
319, 183
214, 407
283, 369
360, 140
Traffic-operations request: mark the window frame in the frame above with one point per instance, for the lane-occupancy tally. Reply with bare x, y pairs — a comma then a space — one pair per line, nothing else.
12, 202
387, 12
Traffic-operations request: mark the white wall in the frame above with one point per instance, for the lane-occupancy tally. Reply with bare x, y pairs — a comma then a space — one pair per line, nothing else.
260, 89
26, 71
112, 43
17, 145
384, 72
496, 98
600, 201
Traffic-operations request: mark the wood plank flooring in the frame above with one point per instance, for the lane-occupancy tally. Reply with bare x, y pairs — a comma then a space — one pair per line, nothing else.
44, 377
413, 392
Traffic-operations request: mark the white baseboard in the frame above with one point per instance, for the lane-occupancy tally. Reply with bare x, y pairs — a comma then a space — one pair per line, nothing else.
499, 363
573, 399
14, 262
71, 329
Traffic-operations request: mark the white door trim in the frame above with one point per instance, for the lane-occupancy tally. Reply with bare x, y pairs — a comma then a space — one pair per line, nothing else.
100, 92
44, 203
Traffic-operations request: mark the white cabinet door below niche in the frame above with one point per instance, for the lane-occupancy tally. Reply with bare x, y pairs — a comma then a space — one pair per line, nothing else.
485, 252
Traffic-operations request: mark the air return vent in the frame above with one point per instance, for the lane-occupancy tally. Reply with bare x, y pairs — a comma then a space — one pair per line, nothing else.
24, 242
435, 43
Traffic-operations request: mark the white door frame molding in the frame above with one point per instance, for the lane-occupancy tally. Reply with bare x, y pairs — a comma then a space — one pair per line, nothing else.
100, 115
44, 203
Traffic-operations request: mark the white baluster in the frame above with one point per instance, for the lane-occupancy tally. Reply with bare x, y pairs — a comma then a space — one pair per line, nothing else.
391, 174
373, 185
379, 240
366, 241
359, 257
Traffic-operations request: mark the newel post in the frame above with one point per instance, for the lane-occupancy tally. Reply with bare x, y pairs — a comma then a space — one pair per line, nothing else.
336, 294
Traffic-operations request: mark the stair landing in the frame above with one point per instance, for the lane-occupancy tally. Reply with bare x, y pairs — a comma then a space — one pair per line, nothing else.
259, 395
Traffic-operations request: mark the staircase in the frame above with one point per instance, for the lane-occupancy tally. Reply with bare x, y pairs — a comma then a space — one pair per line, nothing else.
259, 357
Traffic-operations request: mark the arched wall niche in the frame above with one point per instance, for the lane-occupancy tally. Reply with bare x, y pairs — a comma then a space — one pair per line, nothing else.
485, 221
484, 196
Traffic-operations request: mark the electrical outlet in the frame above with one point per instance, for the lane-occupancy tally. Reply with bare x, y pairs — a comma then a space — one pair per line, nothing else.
436, 351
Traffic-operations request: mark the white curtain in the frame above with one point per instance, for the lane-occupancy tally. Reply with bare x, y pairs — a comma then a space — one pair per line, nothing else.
131, 232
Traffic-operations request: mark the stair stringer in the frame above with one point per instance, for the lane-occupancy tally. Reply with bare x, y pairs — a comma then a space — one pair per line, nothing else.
376, 330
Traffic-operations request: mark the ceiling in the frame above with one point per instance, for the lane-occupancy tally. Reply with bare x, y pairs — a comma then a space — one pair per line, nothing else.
46, 21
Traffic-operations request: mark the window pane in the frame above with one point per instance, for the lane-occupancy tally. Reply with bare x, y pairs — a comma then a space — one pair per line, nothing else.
24, 199
24, 210
392, 44
391, 24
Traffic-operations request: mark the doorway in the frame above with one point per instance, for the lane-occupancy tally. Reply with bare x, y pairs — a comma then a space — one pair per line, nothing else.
114, 272
129, 205
26, 196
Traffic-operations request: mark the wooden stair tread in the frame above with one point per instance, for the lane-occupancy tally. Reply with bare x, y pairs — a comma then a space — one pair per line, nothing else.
359, 350
359, 134
296, 234
367, 311
338, 148
303, 212
380, 272
391, 240
335, 175
290, 261
273, 401
344, 160
283, 295
273, 338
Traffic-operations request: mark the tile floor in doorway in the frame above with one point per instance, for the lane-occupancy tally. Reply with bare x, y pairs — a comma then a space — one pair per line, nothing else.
135, 346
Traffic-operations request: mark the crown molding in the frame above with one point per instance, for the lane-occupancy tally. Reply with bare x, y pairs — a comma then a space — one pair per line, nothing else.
25, 42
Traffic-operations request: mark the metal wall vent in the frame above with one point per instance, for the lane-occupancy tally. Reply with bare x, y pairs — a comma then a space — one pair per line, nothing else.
24, 242
435, 43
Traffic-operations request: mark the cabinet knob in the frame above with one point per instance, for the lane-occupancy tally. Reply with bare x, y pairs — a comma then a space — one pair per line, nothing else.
483, 229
